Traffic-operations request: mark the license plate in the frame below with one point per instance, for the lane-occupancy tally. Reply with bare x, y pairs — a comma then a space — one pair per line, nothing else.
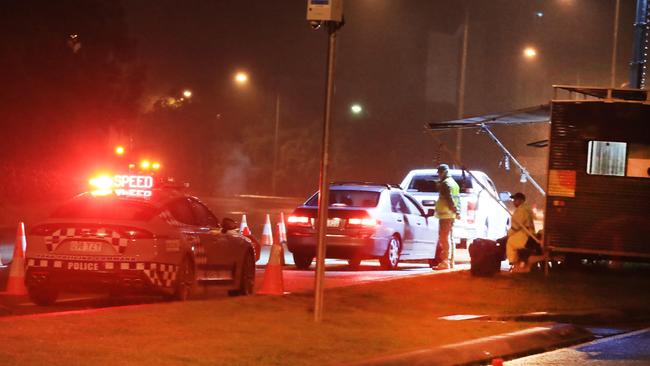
335, 222
86, 246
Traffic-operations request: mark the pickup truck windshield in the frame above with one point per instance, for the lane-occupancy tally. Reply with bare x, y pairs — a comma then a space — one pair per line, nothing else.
429, 183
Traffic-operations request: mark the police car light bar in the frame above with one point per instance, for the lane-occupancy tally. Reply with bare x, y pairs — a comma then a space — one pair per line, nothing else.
122, 185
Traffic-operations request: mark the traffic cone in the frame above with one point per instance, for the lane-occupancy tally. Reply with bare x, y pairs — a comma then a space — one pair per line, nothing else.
273, 283
282, 229
244, 225
267, 233
16, 280
246, 231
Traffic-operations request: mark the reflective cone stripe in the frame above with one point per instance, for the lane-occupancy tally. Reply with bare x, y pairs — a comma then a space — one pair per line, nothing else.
273, 283
282, 229
16, 280
244, 225
267, 234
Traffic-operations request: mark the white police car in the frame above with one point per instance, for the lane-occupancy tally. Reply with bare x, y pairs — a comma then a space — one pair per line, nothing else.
143, 240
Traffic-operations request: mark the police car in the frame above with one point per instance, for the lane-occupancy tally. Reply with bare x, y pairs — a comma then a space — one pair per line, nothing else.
130, 237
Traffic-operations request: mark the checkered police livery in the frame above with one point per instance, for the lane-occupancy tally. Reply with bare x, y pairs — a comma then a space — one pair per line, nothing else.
112, 236
158, 274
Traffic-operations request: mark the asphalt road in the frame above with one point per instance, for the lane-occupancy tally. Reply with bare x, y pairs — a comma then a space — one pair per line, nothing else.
622, 350
337, 274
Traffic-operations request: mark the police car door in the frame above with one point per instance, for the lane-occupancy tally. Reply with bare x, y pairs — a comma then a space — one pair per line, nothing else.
214, 258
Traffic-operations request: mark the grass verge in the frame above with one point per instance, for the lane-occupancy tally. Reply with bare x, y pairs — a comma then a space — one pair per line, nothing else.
359, 322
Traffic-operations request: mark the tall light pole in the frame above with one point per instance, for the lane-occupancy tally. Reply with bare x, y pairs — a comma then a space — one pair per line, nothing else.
242, 78
461, 85
276, 137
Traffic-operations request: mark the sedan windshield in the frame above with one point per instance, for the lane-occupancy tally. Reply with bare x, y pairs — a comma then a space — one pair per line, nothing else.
348, 198
106, 208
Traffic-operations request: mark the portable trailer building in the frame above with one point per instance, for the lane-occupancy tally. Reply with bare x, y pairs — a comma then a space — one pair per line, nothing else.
598, 193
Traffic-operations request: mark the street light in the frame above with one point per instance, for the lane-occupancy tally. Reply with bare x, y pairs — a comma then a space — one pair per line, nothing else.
187, 93
119, 150
241, 78
356, 108
530, 52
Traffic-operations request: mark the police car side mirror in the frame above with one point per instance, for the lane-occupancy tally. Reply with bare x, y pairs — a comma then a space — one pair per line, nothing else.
228, 224
431, 212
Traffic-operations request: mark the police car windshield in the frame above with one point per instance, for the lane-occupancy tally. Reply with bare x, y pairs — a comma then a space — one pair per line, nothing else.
348, 198
429, 182
105, 208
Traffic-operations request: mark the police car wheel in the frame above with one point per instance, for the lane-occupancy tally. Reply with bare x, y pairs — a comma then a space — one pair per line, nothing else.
302, 261
247, 280
185, 281
43, 296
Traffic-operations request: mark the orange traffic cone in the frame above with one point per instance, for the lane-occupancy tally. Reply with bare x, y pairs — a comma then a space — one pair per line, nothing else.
246, 231
267, 234
16, 280
273, 283
282, 229
244, 225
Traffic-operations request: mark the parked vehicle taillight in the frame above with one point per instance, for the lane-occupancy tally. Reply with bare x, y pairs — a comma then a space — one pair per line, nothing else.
298, 220
363, 222
132, 233
471, 211
44, 229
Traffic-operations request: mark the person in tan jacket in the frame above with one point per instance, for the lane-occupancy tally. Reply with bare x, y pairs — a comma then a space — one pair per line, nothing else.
522, 217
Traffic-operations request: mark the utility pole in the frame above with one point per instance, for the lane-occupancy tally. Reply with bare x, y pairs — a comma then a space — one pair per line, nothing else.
461, 85
330, 14
275, 144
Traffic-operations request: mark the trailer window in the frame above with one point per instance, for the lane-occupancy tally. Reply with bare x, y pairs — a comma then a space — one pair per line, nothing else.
606, 158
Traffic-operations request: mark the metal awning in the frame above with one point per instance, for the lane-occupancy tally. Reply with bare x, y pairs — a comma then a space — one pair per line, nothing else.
537, 114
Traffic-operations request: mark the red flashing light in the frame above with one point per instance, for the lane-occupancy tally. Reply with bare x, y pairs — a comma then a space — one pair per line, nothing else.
119, 150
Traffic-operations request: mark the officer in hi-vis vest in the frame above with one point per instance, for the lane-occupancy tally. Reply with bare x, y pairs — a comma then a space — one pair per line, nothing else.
447, 210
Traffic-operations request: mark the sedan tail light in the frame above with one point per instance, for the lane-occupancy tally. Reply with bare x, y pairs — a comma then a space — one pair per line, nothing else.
298, 220
362, 222
471, 211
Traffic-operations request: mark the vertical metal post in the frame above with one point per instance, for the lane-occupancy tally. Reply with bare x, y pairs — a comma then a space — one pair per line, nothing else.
323, 196
614, 44
461, 85
640, 50
275, 143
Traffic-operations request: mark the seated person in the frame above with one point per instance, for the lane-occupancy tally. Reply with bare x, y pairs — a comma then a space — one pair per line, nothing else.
523, 217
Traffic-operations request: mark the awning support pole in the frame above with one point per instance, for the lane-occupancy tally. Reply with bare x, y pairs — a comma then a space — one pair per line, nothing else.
523, 170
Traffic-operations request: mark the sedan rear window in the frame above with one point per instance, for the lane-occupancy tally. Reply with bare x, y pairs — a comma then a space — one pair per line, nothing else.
348, 198
429, 183
106, 208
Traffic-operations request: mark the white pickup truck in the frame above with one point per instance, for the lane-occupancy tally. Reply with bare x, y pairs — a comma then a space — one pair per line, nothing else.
481, 215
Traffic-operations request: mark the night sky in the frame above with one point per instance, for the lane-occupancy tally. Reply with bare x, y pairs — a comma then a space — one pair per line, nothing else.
66, 101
